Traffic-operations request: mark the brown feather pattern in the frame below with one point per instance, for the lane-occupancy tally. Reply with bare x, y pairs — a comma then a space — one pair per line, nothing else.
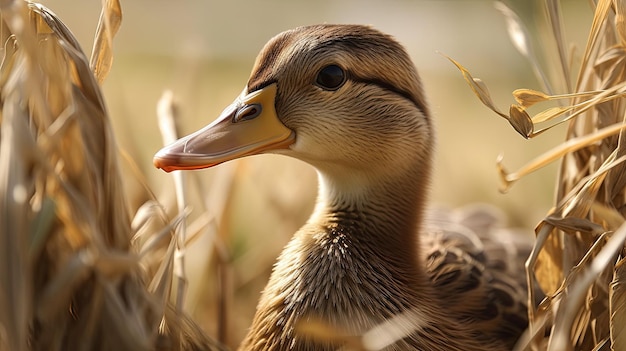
365, 256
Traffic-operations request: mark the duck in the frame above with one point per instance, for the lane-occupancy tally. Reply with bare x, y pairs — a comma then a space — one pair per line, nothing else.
365, 269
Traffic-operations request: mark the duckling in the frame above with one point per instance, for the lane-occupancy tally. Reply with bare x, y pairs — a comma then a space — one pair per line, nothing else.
347, 100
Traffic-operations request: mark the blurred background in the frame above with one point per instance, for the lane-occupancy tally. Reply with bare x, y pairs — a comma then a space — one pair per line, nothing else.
203, 51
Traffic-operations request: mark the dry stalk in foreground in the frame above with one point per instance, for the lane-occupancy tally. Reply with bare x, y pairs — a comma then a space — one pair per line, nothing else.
69, 277
578, 259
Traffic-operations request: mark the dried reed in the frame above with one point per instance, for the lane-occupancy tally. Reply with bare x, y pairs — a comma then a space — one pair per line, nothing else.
70, 276
578, 258
77, 274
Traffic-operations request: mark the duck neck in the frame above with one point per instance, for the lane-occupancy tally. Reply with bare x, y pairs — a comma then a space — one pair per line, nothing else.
359, 244
386, 210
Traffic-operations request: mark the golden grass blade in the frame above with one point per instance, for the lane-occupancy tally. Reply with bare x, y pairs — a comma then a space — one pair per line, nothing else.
575, 224
48, 22
161, 280
545, 261
479, 88
530, 335
602, 344
615, 181
617, 306
108, 25
148, 212
600, 15
620, 19
609, 66
613, 93
570, 306
16, 148
610, 215
517, 31
64, 212
529, 97
555, 20
521, 40
518, 118
166, 113
18, 157
508, 179
575, 253
551, 113
167, 117
583, 199
569, 218
161, 283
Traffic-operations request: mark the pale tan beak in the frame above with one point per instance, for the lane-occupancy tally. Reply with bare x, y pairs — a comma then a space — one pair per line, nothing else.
249, 126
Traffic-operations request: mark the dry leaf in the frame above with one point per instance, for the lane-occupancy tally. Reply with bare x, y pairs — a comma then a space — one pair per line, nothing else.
620, 19
572, 259
573, 225
521, 40
554, 18
550, 113
529, 97
520, 120
108, 25
617, 306
548, 267
554, 154
600, 15
479, 88
64, 214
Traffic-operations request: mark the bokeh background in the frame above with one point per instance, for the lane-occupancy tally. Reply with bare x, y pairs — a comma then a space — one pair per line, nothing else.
203, 50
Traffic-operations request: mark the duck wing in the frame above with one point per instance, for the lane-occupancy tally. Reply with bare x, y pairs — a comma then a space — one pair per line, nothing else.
477, 269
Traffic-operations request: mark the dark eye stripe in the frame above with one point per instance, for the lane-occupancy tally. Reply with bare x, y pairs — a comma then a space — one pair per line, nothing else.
389, 87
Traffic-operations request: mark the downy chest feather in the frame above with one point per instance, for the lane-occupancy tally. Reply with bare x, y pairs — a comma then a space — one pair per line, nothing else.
337, 276
350, 282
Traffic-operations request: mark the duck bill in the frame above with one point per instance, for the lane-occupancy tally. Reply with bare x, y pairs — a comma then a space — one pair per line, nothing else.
249, 126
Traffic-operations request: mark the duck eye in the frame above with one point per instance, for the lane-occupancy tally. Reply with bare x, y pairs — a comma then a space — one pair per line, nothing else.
331, 77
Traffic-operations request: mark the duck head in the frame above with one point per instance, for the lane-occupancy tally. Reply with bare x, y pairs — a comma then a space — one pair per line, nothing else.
344, 98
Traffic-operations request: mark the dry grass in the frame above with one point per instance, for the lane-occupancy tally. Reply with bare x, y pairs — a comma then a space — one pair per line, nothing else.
71, 278
81, 270
578, 259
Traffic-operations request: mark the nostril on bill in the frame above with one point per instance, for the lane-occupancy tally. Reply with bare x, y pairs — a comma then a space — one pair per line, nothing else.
247, 112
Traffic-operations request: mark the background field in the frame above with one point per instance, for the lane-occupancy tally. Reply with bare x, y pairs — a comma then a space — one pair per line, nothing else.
204, 50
